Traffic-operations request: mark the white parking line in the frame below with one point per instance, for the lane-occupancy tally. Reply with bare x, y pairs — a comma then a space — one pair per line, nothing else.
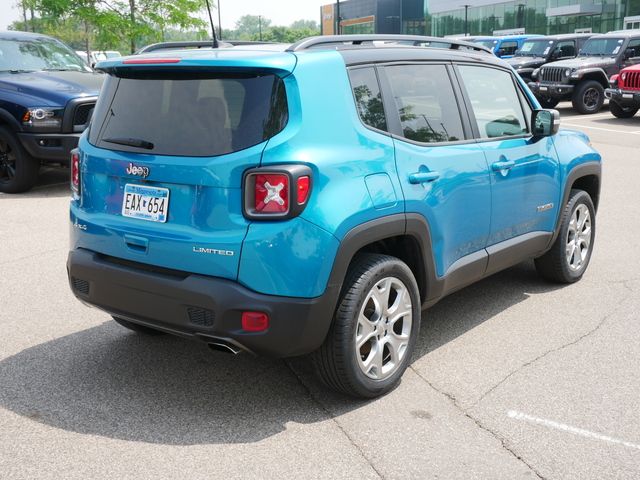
570, 429
587, 117
598, 128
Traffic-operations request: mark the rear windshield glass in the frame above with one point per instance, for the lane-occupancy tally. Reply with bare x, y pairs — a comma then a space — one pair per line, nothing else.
196, 117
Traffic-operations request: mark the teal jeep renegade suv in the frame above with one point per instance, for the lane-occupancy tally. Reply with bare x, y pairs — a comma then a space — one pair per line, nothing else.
313, 198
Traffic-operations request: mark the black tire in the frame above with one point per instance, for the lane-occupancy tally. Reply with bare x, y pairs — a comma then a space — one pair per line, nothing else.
621, 112
569, 256
18, 169
379, 310
136, 327
588, 97
546, 102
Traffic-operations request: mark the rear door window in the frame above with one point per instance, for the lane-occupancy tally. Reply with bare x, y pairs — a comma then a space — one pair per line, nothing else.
189, 114
426, 103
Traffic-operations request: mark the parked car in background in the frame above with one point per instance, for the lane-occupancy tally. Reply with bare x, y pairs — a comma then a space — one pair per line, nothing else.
47, 96
314, 197
536, 51
97, 56
624, 92
583, 79
504, 47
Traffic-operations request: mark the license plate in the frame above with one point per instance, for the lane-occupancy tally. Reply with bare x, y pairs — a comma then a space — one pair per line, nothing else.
627, 96
146, 203
543, 89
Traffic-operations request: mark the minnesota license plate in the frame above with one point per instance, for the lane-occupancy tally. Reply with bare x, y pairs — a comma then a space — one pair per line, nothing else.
146, 203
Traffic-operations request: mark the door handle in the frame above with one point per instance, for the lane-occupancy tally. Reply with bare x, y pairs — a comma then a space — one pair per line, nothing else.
422, 177
502, 165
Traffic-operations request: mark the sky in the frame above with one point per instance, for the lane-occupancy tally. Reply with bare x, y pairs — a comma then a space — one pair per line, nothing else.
280, 12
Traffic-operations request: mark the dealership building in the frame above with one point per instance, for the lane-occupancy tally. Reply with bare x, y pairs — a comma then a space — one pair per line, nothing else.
479, 17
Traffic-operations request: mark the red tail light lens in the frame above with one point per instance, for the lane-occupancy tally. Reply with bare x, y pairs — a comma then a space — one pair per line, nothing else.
272, 193
75, 171
277, 192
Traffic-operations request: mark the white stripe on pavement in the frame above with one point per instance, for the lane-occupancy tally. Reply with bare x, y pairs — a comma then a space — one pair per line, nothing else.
570, 429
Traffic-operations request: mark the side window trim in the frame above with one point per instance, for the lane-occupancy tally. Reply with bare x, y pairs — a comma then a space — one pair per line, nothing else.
393, 119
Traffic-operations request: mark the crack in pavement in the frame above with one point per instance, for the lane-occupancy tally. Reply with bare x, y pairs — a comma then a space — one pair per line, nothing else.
562, 347
466, 411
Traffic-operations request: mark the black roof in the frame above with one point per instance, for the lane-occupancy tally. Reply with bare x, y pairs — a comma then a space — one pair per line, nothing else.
399, 54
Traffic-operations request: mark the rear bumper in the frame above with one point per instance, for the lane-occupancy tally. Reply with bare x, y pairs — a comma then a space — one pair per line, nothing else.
198, 307
626, 98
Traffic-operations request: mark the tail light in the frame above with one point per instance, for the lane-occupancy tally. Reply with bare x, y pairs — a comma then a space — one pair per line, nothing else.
75, 170
276, 192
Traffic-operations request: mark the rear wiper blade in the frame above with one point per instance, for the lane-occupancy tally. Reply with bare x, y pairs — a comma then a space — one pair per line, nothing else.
131, 142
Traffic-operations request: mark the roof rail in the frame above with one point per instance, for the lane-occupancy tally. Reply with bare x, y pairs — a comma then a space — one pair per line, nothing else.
197, 44
176, 45
337, 41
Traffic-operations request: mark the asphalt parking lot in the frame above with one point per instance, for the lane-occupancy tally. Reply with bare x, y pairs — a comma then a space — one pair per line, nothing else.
512, 378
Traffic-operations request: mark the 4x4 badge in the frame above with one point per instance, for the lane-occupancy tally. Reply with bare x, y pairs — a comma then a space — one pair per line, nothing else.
133, 170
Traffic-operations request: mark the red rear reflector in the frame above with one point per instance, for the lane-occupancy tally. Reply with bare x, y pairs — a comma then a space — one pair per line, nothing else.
254, 321
303, 189
152, 60
272, 193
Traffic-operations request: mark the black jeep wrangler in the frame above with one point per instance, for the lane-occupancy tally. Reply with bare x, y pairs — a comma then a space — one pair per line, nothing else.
536, 51
584, 78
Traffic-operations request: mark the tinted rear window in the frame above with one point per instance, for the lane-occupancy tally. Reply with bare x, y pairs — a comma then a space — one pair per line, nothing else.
197, 117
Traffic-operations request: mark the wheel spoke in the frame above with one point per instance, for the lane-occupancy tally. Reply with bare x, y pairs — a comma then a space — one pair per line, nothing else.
373, 364
365, 331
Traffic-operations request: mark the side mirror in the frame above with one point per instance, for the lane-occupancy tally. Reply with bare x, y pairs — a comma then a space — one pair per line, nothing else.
556, 54
629, 53
501, 52
546, 123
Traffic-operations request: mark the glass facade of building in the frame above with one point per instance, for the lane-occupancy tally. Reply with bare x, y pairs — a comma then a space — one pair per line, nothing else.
482, 17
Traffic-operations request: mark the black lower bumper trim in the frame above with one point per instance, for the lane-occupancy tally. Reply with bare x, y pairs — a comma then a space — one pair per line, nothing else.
50, 147
625, 98
167, 302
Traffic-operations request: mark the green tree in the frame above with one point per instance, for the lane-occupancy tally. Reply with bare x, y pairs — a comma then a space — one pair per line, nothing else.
285, 35
135, 22
302, 24
249, 25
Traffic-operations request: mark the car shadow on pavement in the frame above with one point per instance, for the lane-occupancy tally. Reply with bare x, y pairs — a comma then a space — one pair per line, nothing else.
52, 182
111, 382
470, 307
